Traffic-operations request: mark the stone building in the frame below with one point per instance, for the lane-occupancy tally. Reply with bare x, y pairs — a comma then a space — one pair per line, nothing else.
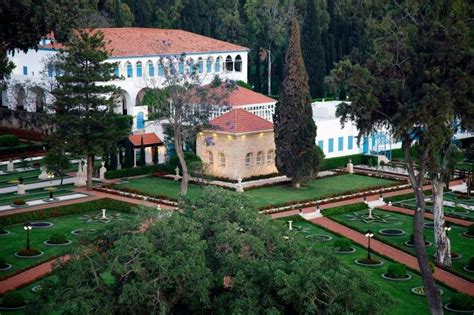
240, 144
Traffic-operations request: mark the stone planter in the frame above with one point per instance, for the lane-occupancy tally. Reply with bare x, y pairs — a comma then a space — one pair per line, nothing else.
427, 244
386, 277
428, 225
421, 291
51, 199
351, 251
36, 289
466, 268
79, 231
392, 232
449, 308
29, 257
18, 206
5, 234
4, 308
47, 243
465, 234
360, 263
319, 237
6, 267
41, 225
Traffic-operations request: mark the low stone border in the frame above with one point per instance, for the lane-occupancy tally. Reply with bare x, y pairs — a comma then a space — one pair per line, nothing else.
5, 234
465, 234
386, 277
8, 267
427, 244
386, 233
353, 250
42, 226
357, 262
78, 231
320, 237
428, 225
3, 308
29, 257
68, 242
136, 196
448, 307
18, 206
459, 256
465, 268
36, 288
414, 291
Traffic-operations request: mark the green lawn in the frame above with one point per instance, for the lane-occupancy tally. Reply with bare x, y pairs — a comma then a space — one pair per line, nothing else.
405, 302
266, 196
40, 193
459, 243
9, 244
28, 177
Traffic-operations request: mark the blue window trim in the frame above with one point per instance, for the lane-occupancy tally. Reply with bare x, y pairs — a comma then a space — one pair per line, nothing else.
161, 70
117, 71
50, 71
209, 65
321, 144
340, 144
151, 70
217, 66
129, 70
331, 145
200, 66
181, 67
350, 142
25, 70
139, 69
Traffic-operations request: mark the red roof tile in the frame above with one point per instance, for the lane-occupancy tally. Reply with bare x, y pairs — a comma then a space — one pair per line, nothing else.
242, 96
240, 121
135, 41
148, 139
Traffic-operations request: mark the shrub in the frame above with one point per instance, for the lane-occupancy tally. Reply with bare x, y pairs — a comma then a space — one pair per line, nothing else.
57, 238
345, 209
19, 202
188, 156
462, 302
343, 245
13, 299
470, 229
137, 171
9, 140
397, 271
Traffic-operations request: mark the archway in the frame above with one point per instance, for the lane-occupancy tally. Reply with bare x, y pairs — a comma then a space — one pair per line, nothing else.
123, 103
140, 95
39, 99
19, 96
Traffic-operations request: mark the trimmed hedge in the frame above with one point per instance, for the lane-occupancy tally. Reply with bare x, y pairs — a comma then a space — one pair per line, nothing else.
397, 271
13, 299
57, 238
462, 302
344, 209
9, 141
341, 162
141, 170
77, 208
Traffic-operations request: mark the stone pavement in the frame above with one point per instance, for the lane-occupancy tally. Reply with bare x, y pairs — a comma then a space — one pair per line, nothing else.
449, 279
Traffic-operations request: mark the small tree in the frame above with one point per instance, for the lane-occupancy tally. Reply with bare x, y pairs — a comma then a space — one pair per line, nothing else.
142, 161
295, 131
84, 120
155, 154
129, 154
56, 161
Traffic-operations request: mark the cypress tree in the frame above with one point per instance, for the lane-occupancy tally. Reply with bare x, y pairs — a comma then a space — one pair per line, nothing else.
128, 160
295, 131
155, 154
142, 161
113, 162
313, 51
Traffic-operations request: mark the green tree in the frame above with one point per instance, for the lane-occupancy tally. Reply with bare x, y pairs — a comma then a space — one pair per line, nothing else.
313, 51
155, 154
129, 155
142, 160
56, 161
83, 111
295, 131
415, 83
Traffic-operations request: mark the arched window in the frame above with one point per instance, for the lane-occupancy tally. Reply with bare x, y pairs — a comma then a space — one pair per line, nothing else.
210, 158
129, 70
229, 64
50, 71
20, 97
217, 66
161, 70
248, 160
238, 64
151, 69
259, 158
191, 66
181, 67
40, 99
270, 157
200, 65
221, 160
139, 69
117, 70
209, 65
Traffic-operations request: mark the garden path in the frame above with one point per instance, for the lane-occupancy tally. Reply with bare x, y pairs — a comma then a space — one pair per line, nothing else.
449, 279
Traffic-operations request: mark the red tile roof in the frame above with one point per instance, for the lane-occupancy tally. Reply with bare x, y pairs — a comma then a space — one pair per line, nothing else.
242, 96
148, 139
135, 41
240, 121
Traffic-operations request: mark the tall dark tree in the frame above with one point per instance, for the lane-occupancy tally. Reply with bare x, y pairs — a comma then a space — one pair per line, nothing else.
142, 161
417, 83
295, 131
84, 118
313, 51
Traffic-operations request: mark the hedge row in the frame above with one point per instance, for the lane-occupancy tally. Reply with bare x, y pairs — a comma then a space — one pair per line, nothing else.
9, 140
59, 211
341, 162
345, 209
23, 148
140, 170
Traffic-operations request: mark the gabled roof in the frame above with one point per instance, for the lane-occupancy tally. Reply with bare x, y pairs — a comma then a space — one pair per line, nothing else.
241, 96
136, 41
240, 121
148, 139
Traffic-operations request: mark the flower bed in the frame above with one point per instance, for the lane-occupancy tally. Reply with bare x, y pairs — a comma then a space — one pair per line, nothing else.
368, 262
421, 291
29, 253
136, 195
392, 232
319, 237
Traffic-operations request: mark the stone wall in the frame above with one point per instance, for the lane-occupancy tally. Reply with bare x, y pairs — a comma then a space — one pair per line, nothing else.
225, 154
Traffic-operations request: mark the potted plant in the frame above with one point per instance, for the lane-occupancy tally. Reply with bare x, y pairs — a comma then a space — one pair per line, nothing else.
18, 203
13, 300
397, 272
461, 303
28, 253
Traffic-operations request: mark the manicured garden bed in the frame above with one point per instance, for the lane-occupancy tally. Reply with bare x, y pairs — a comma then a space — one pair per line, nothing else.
265, 196
34, 194
459, 243
405, 302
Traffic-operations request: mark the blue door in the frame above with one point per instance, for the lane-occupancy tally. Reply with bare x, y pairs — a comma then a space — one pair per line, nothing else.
365, 146
140, 121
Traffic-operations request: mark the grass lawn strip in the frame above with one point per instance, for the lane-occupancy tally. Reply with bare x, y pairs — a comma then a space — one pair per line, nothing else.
405, 302
459, 243
265, 196
34, 194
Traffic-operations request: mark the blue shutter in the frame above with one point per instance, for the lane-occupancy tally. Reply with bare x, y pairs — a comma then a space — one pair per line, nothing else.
209, 66
50, 71
350, 142
161, 71
321, 144
151, 70
340, 144
217, 66
365, 146
25, 70
140, 121
117, 71
200, 66
139, 69
129, 71
331, 145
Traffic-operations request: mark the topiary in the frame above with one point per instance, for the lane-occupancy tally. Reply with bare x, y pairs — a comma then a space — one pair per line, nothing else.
462, 302
343, 245
397, 271
13, 299
19, 202
470, 229
57, 238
